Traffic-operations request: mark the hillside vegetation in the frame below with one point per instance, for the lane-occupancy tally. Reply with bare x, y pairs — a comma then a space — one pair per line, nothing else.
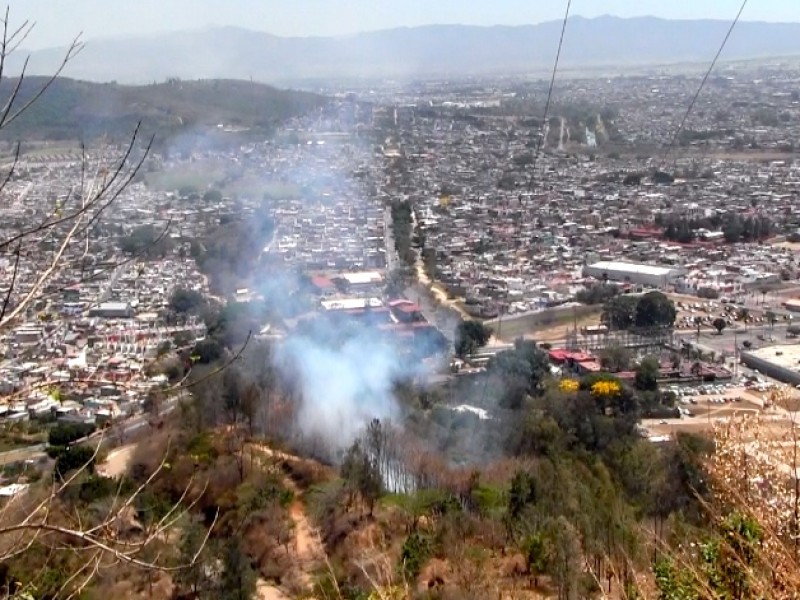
78, 109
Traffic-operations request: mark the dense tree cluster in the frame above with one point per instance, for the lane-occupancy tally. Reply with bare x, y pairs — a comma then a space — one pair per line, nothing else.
735, 227
403, 231
146, 241
652, 310
598, 293
229, 251
470, 336
522, 371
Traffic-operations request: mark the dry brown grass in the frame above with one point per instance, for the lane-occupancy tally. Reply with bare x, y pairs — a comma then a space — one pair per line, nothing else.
753, 473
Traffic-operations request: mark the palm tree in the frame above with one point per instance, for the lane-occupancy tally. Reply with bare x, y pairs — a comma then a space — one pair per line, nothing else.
771, 319
743, 314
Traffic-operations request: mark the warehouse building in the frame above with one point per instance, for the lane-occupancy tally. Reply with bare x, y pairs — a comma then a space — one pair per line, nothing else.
112, 310
635, 273
779, 362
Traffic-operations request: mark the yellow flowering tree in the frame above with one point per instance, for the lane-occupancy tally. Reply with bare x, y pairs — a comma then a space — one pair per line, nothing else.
606, 388
569, 385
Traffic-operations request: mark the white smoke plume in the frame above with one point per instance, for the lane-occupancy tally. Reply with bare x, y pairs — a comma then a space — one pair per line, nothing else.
344, 386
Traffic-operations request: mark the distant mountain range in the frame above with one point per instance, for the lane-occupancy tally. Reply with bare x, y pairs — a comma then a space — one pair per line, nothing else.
428, 51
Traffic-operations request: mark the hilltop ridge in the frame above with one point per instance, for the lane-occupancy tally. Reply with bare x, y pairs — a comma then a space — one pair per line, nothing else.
77, 109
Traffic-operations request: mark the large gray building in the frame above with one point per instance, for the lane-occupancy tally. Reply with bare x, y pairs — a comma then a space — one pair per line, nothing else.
635, 273
779, 362
112, 310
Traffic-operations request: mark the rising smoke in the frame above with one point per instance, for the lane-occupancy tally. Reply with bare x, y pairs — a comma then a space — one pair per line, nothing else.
345, 377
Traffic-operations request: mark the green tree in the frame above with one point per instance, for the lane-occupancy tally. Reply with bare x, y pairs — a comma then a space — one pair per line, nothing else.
362, 475
615, 358
523, 491
743, 314
674, 583
647, 373
207, 350
564, 558
719, 324
733, 229
63, 434
470, 335
214, 196
620, 312
771, 318
238, 580
654, 309
415, 552
146, 240
74, 457
193, 552
597, 293
522, 370
536, 556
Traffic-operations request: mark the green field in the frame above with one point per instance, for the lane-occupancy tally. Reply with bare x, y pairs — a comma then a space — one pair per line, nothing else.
201, 175
217, 174
511, 327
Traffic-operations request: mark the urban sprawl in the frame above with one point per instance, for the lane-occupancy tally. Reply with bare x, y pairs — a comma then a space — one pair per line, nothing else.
423, 205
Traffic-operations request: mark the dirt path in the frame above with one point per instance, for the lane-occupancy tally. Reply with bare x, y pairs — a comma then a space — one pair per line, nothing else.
437, 292
265, 591
117, 461
308, 546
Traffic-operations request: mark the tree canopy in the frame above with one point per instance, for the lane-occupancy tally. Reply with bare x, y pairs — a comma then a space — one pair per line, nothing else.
652, 310
471, 335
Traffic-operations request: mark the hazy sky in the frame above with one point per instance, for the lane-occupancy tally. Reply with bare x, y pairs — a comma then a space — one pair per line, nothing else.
59, 20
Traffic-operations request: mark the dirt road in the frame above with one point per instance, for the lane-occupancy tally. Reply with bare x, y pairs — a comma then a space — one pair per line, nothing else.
265, 591
117, 461
308, 546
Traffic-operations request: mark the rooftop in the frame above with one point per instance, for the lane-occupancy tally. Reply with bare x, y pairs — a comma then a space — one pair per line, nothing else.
786, 356
629, 267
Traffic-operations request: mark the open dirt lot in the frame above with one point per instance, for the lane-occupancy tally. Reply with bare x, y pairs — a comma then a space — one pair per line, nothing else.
708, 411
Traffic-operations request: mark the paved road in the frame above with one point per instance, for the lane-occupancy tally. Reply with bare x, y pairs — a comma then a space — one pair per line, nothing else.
757, 335
122, 431
30, 453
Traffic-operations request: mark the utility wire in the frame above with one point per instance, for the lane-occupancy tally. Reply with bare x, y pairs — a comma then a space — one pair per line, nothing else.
550, 93
533, 163
702, 83
542, 137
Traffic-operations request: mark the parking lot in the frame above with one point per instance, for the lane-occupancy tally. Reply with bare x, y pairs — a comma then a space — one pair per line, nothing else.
703, 406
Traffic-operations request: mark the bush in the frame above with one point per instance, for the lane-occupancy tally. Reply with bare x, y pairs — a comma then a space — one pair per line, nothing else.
74, 457
64, 434
415, 553
708, 293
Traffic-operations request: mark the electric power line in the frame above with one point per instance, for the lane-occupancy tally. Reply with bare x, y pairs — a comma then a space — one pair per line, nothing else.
533, 163
703, 82
542, 136
550, 92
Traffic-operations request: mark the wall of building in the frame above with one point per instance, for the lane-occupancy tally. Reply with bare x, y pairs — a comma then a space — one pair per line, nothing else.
771, 369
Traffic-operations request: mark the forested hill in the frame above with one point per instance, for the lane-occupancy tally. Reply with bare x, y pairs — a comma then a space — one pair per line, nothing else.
72, 109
